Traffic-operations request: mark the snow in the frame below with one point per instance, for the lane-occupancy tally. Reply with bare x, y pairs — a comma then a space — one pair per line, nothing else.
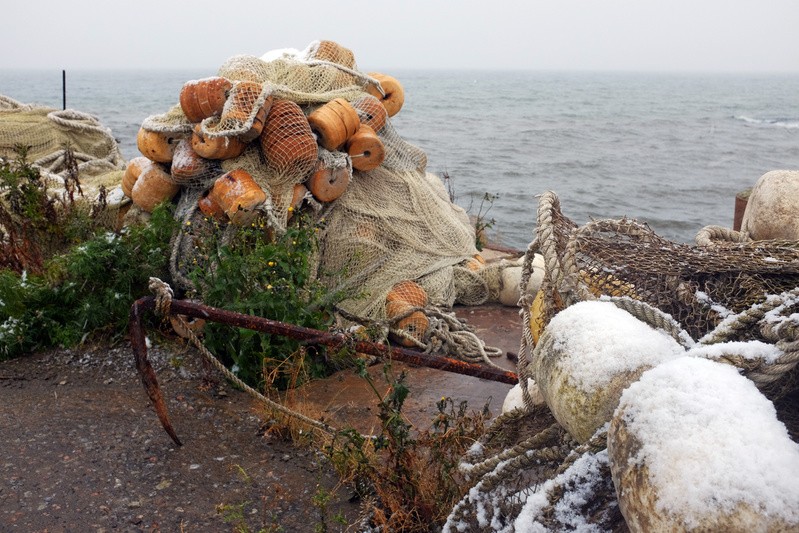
281, 53
750, 350
711, 441
580, 481
515, 400
600, 341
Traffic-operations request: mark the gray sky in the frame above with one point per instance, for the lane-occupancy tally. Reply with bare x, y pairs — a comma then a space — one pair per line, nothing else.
651, 35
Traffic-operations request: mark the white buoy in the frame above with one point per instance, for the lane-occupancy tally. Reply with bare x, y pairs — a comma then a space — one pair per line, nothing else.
588, 354
694, 446
772, 211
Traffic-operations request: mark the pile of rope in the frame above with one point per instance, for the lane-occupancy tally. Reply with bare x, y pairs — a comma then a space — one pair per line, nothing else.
727, 289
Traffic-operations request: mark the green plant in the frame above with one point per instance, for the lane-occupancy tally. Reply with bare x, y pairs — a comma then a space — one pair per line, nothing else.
86, 291
411, 475
481, 222
260, 275
37, 222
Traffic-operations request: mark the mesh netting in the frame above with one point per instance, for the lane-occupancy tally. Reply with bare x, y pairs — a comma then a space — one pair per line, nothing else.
59, 142
314, 133
714, 299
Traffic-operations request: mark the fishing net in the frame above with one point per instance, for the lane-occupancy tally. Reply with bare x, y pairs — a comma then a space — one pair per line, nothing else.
60, 143
716, 298
314, 134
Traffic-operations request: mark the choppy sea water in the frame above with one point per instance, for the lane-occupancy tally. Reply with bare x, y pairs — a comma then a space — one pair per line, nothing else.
671, 150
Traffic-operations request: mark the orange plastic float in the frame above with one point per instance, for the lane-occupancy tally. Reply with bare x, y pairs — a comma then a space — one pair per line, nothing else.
328, 184
366, 149
409, 292
394, 93
132, 172
335, 53
334, 123
287, 141
153, 186
156, 146
210, 208
216, 147
240, 106
200, 99
371, 112
238, 195
187, 165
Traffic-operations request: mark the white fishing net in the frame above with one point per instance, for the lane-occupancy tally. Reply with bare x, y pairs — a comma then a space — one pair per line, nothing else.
59, 142
302, 124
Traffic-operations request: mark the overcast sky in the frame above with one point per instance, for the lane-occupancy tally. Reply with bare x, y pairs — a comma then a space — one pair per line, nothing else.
650, 35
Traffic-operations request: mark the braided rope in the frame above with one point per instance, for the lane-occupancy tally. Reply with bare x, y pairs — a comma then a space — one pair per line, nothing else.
714, 235
652, 316
163, 297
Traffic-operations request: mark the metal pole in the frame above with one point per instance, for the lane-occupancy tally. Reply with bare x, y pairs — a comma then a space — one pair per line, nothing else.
64, 88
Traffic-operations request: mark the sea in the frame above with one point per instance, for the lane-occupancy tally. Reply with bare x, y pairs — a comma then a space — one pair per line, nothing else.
671, 150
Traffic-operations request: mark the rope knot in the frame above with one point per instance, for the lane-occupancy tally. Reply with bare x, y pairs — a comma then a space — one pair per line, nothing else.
163, 296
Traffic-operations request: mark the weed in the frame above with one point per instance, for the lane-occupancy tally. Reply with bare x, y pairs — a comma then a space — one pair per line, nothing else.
257, 274
411, 476
481, 221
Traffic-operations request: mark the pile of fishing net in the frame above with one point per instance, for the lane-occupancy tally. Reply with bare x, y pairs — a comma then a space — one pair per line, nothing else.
698, 345
63, 145
307, 131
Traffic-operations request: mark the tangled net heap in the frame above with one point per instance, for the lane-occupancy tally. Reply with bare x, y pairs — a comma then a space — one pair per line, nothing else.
527, 469
394, 222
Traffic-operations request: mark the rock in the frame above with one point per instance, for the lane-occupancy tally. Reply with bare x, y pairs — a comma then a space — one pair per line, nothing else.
772, 211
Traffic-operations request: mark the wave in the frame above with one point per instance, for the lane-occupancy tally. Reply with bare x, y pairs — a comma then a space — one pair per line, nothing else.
788, 123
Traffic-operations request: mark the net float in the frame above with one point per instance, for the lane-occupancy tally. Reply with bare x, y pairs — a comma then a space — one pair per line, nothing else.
393, 94
366, 149
200, 99
156, 146
334, 123
224, 147
153, 187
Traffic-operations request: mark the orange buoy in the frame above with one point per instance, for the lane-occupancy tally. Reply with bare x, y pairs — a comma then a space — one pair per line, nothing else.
156, 146
188, 166
240, 105
132, 172
394, 93
415, 324
335, 53
409, 292
371, 112
210, 208
154, 186
238, 195
287, 142
223, 147
200, 99
366, 149
297, 197
334, 123
327, 184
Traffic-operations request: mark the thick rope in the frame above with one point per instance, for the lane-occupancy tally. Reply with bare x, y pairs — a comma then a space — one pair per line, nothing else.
163, 297
714, 235
652, 316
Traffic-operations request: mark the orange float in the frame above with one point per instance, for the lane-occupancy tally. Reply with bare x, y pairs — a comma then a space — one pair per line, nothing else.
154, 186
334, 123
328, 184
287, 142
409, 292
156, 146
132, 172
240, 105
394, 95
238, 195
223, 147
210, 208
366, 149
415, 324
371, 112
200, 99
335, 53
187, 165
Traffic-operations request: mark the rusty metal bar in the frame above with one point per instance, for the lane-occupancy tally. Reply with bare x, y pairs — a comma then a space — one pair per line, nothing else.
274, 327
